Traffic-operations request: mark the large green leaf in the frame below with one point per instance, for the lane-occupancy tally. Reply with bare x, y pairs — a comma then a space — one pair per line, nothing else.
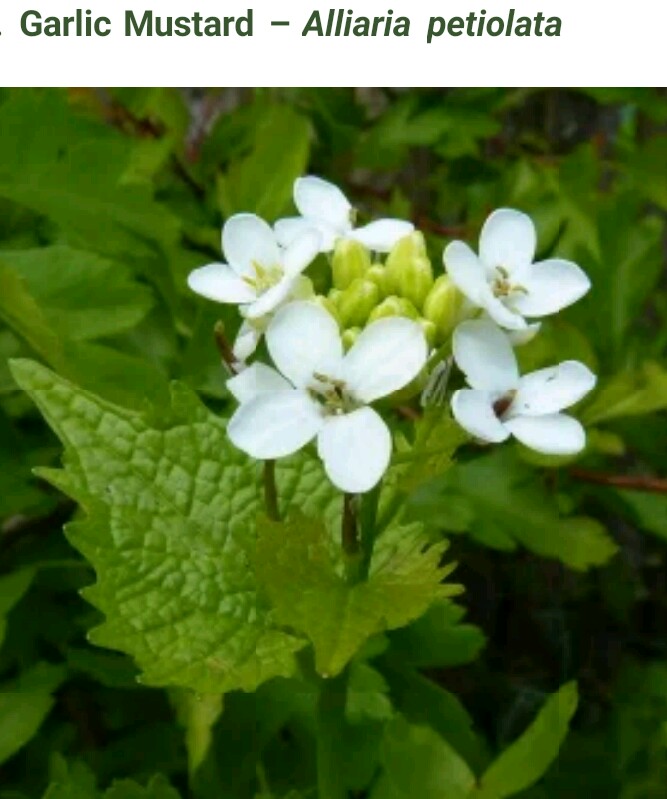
419, 763
99, 367
71, 169
81, 295
528, 758
170, 530
298, 568
262, 181
502, 503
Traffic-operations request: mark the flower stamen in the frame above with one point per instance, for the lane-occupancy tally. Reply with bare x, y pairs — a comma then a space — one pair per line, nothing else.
504, 403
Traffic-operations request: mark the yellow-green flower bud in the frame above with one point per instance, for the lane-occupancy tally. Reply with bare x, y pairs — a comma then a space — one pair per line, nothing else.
350, 336
408, 269
430, 330
394, 306
357, 301
443, 306
302, 288
350, 262
378, 274
329, 304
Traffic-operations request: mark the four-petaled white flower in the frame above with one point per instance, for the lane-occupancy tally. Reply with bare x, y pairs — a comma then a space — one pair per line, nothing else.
504, 281
259, 275
320, 391
500, 403
325, 208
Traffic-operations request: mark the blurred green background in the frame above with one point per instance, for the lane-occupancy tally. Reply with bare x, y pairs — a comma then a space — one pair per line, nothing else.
108, 198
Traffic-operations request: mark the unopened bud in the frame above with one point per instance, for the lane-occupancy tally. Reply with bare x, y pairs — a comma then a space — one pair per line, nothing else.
430, 330
329, 304
350, 336
443, 306
394, 306
409, 271
357, 301
350, 262
378, 274
302, 289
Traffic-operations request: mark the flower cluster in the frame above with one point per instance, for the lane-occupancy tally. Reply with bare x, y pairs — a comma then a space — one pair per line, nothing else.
386, 329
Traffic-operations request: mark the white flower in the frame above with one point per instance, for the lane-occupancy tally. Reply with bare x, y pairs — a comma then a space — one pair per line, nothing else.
325, 208
319, 391
504, 281
260, 274
500, 403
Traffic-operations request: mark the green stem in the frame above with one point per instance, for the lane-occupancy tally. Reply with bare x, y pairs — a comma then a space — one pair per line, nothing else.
270, 491
368, 519
330, 718
440, 354
349, 538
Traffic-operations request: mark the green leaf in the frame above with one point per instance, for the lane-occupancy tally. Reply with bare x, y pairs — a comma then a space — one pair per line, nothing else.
24, 704
437, 437
502, 503
298, 568
71, 170
77, 781
438, 639
101, 368
650, 510
12, 588
528, 758
424, 702
262, 182
170, 530
82, 296
71, 781
20, 311
419, 763
626, 394
158, 788
367, 695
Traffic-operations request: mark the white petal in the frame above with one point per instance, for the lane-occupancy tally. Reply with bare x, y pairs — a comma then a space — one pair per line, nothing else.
247, 239
466, 271
257, 379
386, 356
246, 341
508, 239
220, 282
382, 235
273, 425
556, 434
520, 337
270, 299
303, 339
301, 252
484, 354
550, 286
473, 410
356, 450
318, 199
550, 390
501, 314
287, 230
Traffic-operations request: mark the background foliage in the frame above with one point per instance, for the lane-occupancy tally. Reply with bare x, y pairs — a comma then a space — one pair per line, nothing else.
108, 199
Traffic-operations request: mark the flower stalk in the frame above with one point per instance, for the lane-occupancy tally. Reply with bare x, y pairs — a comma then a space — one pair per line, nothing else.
271, 491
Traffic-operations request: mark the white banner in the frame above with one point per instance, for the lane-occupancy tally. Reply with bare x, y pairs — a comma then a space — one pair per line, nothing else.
371, 42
